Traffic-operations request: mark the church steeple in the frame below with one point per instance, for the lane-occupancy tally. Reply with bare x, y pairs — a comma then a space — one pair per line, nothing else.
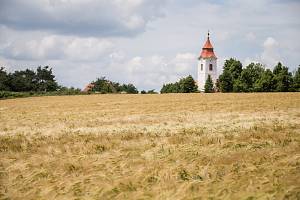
207, 64
207, 50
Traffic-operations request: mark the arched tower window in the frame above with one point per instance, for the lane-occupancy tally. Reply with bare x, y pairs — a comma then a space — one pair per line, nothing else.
201, 67
210, 67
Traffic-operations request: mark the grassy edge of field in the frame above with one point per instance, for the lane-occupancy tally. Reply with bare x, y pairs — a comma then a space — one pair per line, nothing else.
12, 95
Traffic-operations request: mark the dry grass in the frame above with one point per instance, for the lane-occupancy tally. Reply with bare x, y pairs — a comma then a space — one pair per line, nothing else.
184, 146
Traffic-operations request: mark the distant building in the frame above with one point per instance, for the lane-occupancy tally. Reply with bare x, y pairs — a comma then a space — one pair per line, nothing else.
89, 87
207, 64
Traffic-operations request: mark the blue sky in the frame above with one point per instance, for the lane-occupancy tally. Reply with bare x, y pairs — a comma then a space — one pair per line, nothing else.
145, 42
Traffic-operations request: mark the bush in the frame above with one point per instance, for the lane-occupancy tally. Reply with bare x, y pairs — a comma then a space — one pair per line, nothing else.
209, 85
184, 85
104, 86
8, 94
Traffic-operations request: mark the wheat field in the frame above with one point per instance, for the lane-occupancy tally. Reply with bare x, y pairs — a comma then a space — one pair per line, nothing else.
173, 146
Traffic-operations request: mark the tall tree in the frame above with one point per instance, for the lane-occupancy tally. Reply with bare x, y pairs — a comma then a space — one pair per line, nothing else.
250, 75
238, 85
229, 79
45, 79
277, 69
23, 81
226, 81
234, 66
209, 85
296, 80
188, 85
282, 78
4, 80
265, 83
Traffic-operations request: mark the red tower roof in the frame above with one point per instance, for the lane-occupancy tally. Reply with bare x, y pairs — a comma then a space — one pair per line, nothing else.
207, 50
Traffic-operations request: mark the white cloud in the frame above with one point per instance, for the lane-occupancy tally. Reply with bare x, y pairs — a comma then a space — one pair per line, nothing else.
33, 49
270, 55
250, 36
270, 43
117, 56
56, 47
87, 49
184, 62
84, 18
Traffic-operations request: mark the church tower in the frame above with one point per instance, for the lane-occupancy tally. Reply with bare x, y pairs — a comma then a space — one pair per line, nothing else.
207, 64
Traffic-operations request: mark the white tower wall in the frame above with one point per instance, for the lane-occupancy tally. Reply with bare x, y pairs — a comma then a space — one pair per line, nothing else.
204, 71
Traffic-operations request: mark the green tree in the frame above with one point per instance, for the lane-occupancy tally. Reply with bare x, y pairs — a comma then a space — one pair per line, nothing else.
170, 88
103, 86
188, 85
4, 80
23, 81
234, 66
217, 88
226, 81
296, 80
250, 75
265, 83
209, 85
283, 79
45, 79
175, 88
184, 85
277, 69
238, 85
229, 79
129, 88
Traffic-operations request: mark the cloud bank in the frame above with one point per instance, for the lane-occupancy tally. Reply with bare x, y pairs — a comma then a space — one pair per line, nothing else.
77, 17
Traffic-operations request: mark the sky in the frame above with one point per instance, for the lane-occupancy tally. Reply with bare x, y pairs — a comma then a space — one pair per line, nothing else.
144, 42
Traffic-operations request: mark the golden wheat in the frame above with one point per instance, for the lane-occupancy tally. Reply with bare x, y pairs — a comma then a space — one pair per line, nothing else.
175, 146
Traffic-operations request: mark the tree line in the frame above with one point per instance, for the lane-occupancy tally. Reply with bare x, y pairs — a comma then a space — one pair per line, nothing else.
256, 78
23, 83
236, 78
41, 80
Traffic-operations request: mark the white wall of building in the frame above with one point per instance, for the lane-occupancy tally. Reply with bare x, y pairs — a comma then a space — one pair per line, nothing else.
204, 72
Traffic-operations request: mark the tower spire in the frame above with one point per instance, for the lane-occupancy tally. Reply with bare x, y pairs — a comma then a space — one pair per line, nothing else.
207, 50
207, 64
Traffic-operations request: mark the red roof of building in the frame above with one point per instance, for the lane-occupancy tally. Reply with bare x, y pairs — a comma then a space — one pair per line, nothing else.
89, 87
207, 50
207, 44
